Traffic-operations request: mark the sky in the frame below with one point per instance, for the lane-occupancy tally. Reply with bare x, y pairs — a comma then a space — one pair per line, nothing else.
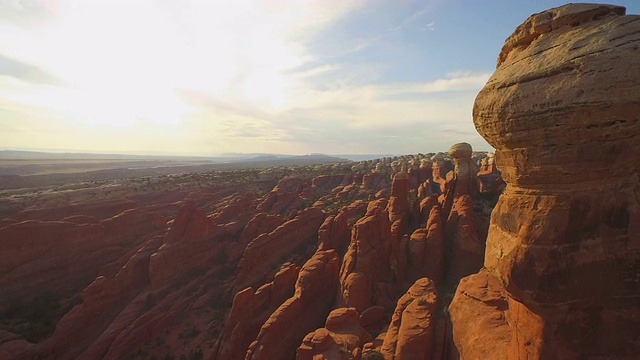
196, 77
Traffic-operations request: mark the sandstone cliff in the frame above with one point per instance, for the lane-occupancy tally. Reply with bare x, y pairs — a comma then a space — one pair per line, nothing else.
562, 111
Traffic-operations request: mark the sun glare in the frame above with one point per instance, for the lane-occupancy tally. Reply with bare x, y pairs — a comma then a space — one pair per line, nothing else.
130, 65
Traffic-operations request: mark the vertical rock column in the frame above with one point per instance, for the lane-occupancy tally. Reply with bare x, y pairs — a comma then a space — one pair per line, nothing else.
562, 111
466, 182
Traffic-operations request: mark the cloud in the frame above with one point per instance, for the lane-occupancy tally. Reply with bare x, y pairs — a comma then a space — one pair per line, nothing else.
203, 77
393, 118
455, 82
26, 13
346, 116
429, 26
413, 18
414, 99
26, 72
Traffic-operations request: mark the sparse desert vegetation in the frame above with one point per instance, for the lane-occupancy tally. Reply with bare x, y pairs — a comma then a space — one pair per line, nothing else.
174, 249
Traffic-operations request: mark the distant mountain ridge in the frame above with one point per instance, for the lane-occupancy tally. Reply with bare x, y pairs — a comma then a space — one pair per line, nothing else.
83, 166
225, 157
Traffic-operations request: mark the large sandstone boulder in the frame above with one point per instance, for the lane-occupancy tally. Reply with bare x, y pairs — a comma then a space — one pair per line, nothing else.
341, 338
562, 111
465, 171
479, 314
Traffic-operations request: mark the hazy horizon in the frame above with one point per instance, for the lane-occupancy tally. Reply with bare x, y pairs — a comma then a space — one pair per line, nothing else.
198, 78
211, 155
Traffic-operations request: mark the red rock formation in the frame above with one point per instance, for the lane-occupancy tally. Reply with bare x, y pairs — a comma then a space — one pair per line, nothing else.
235, 209
426, 205
250, 311
13, 346
305, 311
373, 181
267, 250
285, 197
355, 210
348, 191
155, 293
335, 233
341, 337
490, 177
188, 243
191, 224
261, 223
411, 332
367, 259
425, 171
118, 313
63, 257
466, 182
328, 182
561, 111
99, 209
79, 219
133, 224
398, 202
480, 315
372, 317
94, 318
465, 248
439, 174
426, 250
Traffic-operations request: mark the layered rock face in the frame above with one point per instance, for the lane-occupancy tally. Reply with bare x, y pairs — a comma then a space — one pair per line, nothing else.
479, 315
266, 250
38, 256
366, 262
300, 314
426, 250
250, 310
562, 111
489, 177
465, 172
410, 334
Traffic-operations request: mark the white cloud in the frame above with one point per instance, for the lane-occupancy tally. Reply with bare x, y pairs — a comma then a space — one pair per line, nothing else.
429, 26
205, 77
390, 105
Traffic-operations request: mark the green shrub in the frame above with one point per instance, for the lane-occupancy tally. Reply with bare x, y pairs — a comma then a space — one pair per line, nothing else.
34, 320
149, 301
373, 355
